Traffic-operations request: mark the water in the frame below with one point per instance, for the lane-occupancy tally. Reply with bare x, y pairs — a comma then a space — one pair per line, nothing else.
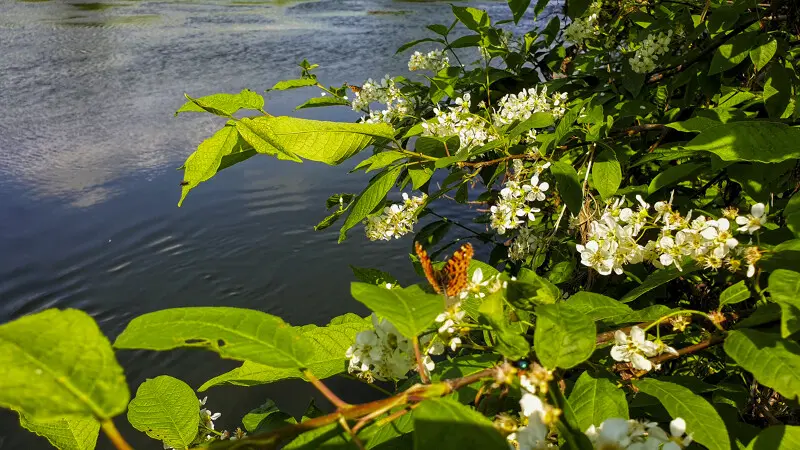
88, 186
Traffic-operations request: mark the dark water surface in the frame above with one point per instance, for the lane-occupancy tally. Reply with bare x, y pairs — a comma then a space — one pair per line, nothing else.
88, 186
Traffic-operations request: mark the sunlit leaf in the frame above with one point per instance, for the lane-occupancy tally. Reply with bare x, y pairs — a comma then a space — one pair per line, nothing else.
370, 198
595, 399
702, 420
234, 333
65, 434
564, 337
166, 409
410, 309
774, 362
223, 104
761, 141
57, 364
784, 286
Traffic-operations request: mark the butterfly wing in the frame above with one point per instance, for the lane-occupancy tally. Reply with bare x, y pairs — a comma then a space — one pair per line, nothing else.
427, 266
456, 270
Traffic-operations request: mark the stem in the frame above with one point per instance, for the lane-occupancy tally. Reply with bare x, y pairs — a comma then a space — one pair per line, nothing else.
688, 350
333, 398
682, 313
445, 219
113, 435
423, 374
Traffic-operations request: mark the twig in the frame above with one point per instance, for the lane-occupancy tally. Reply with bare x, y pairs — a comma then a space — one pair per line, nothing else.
718, 339
113, 435
423, 373
333, 398
412, 396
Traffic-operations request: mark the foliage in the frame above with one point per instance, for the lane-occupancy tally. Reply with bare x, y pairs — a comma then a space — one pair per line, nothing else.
630, 169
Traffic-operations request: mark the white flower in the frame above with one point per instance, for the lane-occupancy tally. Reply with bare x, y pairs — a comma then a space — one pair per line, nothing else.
676, 439
634, 348
434, 60
383, 353
611, 434
535, 191
396, 220
533, 436
208, 418
385, 92
753, 221
599, 258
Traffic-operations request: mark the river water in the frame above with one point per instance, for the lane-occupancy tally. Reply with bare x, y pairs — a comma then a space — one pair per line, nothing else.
88, 186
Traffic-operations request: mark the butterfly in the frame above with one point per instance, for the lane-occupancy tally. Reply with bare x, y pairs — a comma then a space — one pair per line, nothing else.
452, 279
355, 89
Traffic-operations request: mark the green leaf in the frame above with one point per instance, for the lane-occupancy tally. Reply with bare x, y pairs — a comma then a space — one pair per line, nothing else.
606, 173
65, 434
762, 54
166, 409
380, 160
659, 277
784, 286
263, 139
373, 276
564, 337
408, 45
205, 161
599, 307
576, 8
770, 312
293, 84
444, 424
518, 8
330, 344
470, 40
462, 366
530, 290
224, 104
773, 361
318, 102
779, 437
410, 309
508, 340
473, 18
734, 294
673, 175
777, 91
653, 312
266, 418
731, 53
439, 29
595, 399
420, 174
370, 198
569, 186
702, 420
761, 141
536, 120
329, 437
234, 333
315, 140
57, 364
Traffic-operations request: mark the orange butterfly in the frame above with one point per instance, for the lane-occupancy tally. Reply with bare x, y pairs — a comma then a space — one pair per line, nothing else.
452, 279
355, 89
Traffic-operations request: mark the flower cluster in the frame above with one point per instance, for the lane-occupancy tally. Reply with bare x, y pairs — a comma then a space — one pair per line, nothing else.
452, 320
620, 433
396, 219
383, 353
513, 209
385, 92
613, 241
434, 60
525, 244
644, 60
519, 107
635, 349
581, 29
472, 131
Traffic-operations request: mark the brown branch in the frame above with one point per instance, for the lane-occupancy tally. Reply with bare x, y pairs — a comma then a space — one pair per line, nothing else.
714, 340
113, 435
413, 395
423, 374
333, 398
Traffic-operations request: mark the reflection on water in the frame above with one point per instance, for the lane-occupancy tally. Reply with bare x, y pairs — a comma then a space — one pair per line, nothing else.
88, 186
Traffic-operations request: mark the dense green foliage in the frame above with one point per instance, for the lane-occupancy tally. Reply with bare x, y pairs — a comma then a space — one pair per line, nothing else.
631, 169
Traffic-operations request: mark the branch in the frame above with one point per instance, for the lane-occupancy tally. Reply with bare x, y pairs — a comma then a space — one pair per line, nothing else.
113, 435
423, 374
333, 398
714, 340
413, 395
